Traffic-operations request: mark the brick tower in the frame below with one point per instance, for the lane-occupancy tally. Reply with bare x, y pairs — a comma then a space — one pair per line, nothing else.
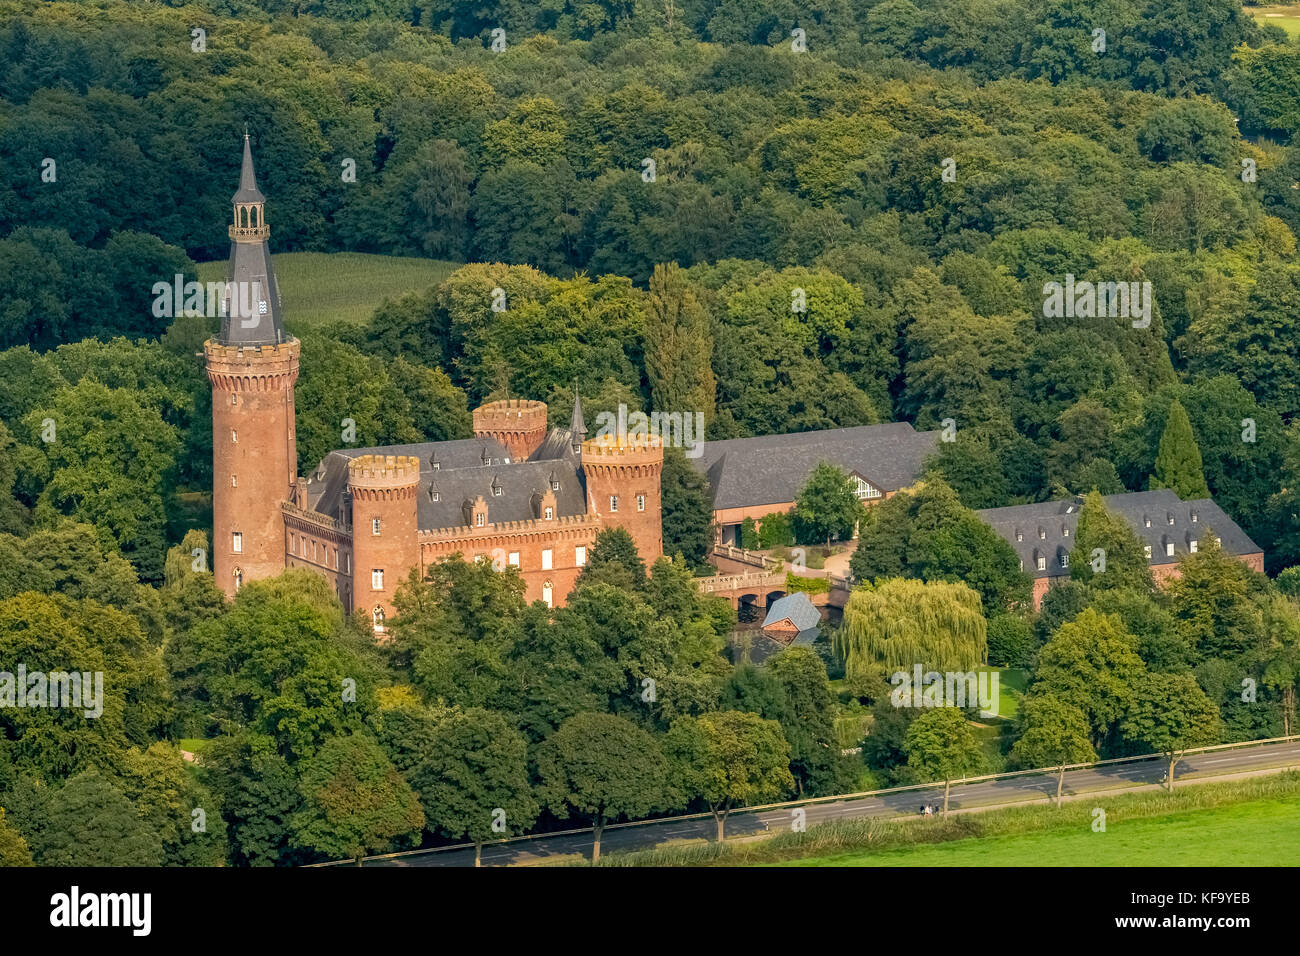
622, 477
385, 530
517, 423
252, 366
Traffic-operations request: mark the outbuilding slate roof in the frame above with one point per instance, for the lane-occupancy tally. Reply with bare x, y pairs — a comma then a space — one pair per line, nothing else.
771, 469
1170, 520
798, 608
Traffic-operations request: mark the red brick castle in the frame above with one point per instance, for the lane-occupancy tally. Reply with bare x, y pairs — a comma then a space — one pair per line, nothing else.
517, 494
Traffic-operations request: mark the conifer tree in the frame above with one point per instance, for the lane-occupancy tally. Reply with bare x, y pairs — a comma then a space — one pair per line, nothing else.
1107, 553
678, 345
1178, 462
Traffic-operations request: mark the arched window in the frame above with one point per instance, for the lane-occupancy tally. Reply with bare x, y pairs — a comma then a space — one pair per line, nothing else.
239, 578
377, 618
548, 594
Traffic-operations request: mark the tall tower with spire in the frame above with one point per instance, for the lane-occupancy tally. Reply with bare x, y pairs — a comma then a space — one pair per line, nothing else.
253, 366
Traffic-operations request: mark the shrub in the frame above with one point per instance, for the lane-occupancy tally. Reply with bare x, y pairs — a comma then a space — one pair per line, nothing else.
1011, 641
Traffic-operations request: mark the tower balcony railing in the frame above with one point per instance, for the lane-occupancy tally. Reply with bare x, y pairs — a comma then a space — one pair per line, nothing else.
249, 232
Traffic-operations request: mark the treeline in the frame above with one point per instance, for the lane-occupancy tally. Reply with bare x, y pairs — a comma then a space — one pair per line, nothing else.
1116, 665
482, 717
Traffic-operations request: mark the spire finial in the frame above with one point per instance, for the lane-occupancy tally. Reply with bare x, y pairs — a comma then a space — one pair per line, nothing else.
577, 427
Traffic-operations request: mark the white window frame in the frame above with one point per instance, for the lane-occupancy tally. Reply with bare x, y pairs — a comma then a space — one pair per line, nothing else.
548, 559
1042, 562
237, 542
376, 579
613, 504
640, 502
513, 559
580, 556
375, 525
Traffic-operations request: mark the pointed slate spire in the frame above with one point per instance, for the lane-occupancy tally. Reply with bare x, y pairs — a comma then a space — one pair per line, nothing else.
577, 427
250, 309
248, 191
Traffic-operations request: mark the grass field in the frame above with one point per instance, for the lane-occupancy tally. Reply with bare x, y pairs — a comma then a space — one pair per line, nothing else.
1286, 16
1254, 821
1263, 833
319, 287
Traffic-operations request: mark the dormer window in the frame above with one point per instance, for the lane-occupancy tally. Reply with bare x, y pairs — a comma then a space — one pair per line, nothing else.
1194, 517
1065, 559
1193, 545
1147, 550
1042, 535
549, 514
1169, 549
555, 485
1146, 521
1171, 517
1042, 563
1065, 531
1020, 536
480, 520
485, 457
496, 488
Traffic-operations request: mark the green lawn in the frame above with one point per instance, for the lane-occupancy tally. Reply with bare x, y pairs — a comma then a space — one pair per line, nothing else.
319, 287
1259, 833
1286, 16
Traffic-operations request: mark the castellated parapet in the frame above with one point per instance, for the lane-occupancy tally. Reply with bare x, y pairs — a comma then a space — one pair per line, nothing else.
254, 457
517, 423
385, 530
622, 473
383, 477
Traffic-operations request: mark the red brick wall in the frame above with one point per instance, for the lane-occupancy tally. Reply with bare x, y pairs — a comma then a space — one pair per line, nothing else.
526, 538
252, 440
518, 424
626, 471
383, 487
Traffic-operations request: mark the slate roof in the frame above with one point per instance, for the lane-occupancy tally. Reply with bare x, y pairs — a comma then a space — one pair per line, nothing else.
798, 608
462, 475
1058, 521
248, 191
243, 322
771, 469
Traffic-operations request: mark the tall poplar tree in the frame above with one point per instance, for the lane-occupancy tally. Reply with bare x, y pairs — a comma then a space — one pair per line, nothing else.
678, 345
1178, 462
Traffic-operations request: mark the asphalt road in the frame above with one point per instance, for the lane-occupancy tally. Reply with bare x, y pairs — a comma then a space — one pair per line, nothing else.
985, 793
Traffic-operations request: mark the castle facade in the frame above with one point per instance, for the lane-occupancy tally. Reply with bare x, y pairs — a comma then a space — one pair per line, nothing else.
518, 494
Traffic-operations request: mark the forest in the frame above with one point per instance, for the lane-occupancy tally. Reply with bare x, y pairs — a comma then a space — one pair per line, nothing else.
649, 182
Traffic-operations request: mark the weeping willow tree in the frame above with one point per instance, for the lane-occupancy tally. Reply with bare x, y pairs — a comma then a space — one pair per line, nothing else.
904, 622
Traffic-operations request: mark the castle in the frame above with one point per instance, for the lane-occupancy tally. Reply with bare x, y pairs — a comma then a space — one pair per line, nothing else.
518, 494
